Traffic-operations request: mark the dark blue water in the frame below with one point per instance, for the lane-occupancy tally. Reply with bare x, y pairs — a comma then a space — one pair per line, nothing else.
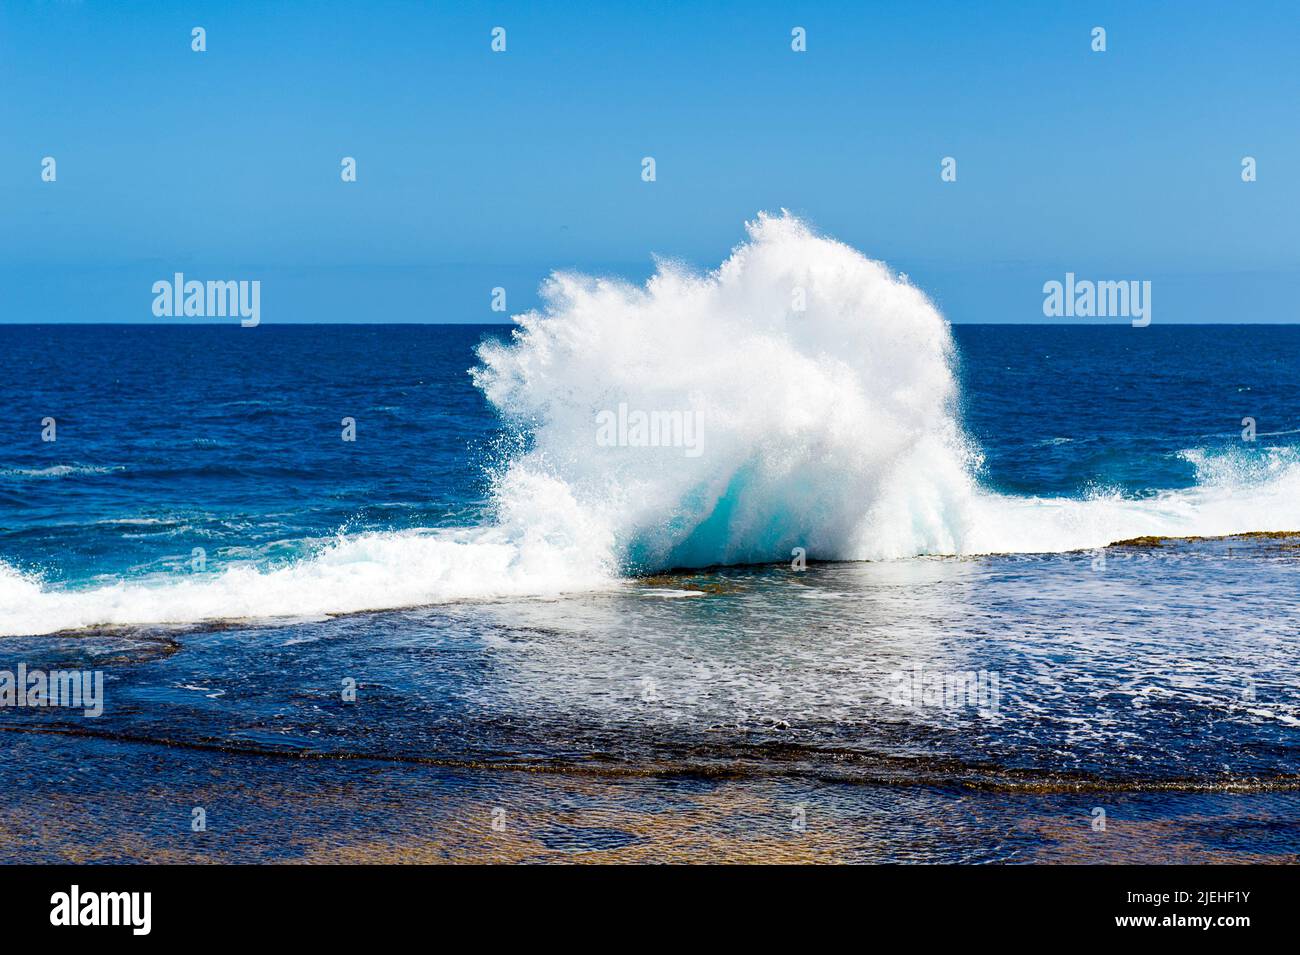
1059, 409
229, 439
200, 436
1155, 667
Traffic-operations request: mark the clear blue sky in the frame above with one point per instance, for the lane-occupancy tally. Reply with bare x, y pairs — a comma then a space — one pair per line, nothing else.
478, 169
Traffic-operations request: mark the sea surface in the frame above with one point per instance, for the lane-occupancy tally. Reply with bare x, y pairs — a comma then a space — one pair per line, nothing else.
983, 593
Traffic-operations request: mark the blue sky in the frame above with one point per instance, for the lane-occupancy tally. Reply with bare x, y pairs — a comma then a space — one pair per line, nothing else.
478, 169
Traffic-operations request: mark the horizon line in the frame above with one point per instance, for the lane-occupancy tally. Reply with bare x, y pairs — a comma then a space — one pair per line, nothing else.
212, 324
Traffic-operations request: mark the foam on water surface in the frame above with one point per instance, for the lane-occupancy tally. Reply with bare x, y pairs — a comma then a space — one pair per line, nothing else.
822, 393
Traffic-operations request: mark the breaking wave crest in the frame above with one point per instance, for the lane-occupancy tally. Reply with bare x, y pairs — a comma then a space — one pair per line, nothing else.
800, 396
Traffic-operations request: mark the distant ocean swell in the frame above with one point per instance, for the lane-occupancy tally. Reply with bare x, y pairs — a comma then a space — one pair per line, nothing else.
823, 392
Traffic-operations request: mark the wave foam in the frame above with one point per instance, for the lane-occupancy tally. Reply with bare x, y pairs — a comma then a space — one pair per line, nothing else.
350, 575
822, 386
822, 391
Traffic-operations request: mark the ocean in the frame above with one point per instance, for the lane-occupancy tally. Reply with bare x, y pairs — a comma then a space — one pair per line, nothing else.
669, 573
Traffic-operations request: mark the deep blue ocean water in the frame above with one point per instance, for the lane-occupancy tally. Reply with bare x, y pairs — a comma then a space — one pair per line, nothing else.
172, 437
1145, 668
198, 436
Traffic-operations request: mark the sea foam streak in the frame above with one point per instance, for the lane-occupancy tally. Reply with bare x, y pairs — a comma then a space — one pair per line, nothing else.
831, 427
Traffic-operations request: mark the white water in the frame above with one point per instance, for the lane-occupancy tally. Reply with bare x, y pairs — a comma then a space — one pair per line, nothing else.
831, 428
